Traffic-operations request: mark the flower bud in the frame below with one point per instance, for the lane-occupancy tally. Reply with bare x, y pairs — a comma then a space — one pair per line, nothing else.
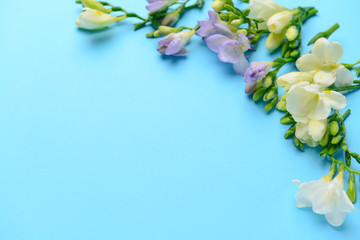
294, 44
286, 120
157, 33
348, 159
258, 94
242, 31
218, 5
279, 21
171, 18
291, 33
232, 15
290, 131
351, 192
274, 41
333, 149
271, 104
224, 16
296, 142
344, 146
294, 53
165, 30
237, 22
336, 139
93, 4
325, 140
250, 88
91, 19
334, 128
269, 94
266, 81
281, 106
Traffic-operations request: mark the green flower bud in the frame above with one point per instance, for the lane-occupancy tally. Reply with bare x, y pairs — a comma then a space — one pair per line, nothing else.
258, 94
243, 31
287, 54
334, 128
356, 156
246, 12
224, 16
232, 15
165, 30
294, 53
324, 152
271, 104
344, 147
301, 146
171, 18
266, 81
237, 22
325, 140
281, 106
269, 94
290, 131
296, 142
157, 33
348, 159
150, 34
336, 139
93, 4
294, 44
291, 33
218, 5
333, 149
286, 120
351, 192
284, 48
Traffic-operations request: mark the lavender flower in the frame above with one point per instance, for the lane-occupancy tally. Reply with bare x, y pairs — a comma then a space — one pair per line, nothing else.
214, 25
156, 5
257, 71
173, 44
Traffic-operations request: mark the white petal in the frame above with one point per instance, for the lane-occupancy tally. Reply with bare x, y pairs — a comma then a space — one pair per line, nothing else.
345, 204
335, 218
323, 202
308, 62
344, 77
288, 80
300, 102
310, 189
321, 110
274, 41
333, 52
319, 47
302, 202
324, 79
334, 99
317, 129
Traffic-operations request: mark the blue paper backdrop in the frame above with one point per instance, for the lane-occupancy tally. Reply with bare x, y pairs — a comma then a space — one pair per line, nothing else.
103, 138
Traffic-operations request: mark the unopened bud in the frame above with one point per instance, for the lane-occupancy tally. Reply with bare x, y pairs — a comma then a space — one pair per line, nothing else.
224, 16
348, 159
242, 31
269, 94
281, 106
165, 30
291, 33
294, 53
237, 22
218, 5
286, 120
294, 44
171, 18
334, 128
266, 81
325, 140
351, 192
290, 131
258, 94
271, 104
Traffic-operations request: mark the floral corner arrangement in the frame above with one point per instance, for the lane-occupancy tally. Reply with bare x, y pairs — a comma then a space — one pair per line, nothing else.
313, 95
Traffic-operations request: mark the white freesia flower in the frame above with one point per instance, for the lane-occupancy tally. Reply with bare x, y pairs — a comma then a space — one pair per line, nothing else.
328, 198
92, 19
264, 9
306, 101
279, 21
324, 59
311, 132
290, 79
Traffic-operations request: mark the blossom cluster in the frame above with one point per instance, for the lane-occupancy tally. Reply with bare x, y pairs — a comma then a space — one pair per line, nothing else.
312, 96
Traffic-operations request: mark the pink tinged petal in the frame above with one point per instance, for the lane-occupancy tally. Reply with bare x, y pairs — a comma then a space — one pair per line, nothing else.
241, 66
215, 41
334, 99
245, 41
230, 51
319, 47
333, 52
156, 6
344, 77
324, 79
335, 218
308, 62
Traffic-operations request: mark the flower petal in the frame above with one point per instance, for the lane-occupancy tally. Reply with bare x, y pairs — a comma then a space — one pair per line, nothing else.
319, 47
317, 129
345, 204
308, 62
335, 218
241, 66
333, 52
324, 79
335, 99
288, 80
323, 202
215, 41
344, 77
230, 51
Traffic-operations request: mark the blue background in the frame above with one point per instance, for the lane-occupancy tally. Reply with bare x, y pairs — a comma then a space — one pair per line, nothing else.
103, 138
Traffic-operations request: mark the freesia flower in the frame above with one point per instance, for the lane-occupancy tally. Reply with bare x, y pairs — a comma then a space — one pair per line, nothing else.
307, 101
264, 9
230, 50
290, 79
257, 71
328, 198
93, 19
311, 132
156, 5
214, 25
174, 43
324, 60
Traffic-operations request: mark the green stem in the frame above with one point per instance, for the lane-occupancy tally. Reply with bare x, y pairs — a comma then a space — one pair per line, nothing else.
332, 29
354, 87
343, 164
346, 114
356, 81
135, 16
351, 66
